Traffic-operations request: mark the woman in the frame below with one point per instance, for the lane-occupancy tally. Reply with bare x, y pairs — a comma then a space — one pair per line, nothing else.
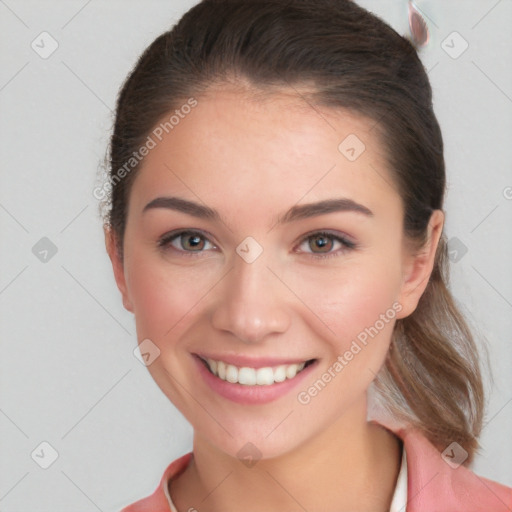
276, 227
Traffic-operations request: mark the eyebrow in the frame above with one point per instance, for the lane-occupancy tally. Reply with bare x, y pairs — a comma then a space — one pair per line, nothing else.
297, 212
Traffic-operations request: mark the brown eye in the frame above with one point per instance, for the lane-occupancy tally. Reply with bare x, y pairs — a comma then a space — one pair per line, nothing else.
322, 242
325, 245
193, 242
185, 242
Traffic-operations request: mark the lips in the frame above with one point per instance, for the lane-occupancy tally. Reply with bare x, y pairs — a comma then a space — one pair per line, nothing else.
252, 370
249, 375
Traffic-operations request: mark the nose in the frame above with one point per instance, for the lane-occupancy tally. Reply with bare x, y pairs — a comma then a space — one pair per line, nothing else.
253, 302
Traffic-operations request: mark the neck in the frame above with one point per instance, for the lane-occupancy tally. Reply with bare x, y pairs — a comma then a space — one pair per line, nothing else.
351, 466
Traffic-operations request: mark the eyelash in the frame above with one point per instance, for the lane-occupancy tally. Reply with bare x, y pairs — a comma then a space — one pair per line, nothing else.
165, 242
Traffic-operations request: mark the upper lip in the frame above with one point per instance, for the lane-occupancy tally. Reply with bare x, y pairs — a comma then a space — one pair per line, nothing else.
240, 360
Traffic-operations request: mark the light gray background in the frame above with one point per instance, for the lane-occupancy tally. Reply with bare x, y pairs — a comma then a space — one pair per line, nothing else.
68, 373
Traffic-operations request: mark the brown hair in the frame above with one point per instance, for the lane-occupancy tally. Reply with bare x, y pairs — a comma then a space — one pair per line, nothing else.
347, 58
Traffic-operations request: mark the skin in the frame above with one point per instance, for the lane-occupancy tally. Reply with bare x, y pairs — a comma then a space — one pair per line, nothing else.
252, 159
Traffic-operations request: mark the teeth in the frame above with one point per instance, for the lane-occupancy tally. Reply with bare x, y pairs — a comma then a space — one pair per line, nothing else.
263, 376
280, 373
291, 371
252, 376
213, 365
221, 370
231, 373
247, 376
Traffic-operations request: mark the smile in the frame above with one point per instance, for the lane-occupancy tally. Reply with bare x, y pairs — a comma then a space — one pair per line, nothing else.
248, 376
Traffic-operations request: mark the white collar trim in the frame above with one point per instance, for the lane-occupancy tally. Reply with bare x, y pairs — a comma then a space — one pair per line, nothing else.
399, 500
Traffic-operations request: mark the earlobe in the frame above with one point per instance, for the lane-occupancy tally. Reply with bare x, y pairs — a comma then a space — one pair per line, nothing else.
418, 266
117, 267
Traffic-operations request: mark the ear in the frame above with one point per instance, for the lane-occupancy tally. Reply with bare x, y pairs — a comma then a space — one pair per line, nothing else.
418, 266
117, 266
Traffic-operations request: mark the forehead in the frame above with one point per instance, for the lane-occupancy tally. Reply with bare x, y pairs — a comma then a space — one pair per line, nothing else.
280, 147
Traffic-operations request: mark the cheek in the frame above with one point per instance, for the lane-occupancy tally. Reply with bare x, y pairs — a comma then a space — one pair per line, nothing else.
163, 297
361, 311
351, 299
361, 314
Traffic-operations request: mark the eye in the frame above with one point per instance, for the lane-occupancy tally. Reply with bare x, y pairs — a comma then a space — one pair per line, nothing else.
187, 242
193, 243
325, 243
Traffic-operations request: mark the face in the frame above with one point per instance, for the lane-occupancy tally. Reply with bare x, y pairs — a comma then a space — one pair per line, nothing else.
272, 298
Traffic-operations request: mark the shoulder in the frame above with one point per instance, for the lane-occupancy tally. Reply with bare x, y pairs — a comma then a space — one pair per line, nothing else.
158, 502
433, 483
438, 480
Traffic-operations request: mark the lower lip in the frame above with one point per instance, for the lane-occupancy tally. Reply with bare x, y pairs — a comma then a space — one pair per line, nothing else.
251, 395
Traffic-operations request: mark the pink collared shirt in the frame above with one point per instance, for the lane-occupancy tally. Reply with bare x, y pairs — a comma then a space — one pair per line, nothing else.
426, 483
